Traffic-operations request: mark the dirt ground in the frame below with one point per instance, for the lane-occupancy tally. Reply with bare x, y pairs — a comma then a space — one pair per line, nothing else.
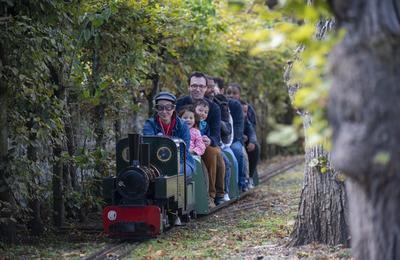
257, 227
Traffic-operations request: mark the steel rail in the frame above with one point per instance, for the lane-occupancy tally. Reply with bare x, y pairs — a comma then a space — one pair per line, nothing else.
115, 250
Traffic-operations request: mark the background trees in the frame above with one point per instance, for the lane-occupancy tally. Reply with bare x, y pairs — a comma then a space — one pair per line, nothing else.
78, 75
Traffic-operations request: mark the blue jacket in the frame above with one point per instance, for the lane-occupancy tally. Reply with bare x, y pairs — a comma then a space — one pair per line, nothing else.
250, 131
180, 130
213, 119
238, 121
203, 127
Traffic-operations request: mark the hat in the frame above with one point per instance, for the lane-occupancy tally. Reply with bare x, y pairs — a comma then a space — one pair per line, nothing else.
165, 96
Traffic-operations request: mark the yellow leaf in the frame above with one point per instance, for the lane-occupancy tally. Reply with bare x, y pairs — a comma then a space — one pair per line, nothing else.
161, 253
304, 33
311, 14
382, 158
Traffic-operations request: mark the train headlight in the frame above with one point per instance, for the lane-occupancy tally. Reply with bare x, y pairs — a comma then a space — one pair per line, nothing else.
112, 215
164, 154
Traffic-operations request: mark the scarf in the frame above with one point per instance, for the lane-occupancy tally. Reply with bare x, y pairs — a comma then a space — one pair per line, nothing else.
167, 128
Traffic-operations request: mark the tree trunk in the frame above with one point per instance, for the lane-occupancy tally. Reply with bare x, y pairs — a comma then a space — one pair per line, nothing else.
321, 216
155, 78
71, 147
364, 112
99, 110
117, 128
57, 77
7, 228
35, 224
322, 210
263, 131
58, 187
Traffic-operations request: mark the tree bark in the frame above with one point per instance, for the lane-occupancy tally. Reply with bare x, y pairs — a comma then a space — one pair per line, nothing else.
8, 231
322, 216
99, 110
117, 128
57, 78
35, 224
364, 113
58, 188
322, 210
155, 79
71, 147
263, 131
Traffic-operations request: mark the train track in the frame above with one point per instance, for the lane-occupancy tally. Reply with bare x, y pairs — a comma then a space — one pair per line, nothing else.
279, 168
271, 171
122, 248
116, 250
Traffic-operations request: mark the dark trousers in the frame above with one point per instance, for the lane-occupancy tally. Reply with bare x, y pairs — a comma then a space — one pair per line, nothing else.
254, 157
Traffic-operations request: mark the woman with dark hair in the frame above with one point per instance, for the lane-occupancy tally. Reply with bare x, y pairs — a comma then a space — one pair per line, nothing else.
166, 122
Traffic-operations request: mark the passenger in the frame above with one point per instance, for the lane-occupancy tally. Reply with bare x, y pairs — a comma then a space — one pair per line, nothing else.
226, 133
236, 147
165, 122
197, 88
234, 91
201, 109
197, 146
250, 139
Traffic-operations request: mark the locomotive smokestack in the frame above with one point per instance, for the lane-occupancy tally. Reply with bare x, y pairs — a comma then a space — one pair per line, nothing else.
145, 155
134, 149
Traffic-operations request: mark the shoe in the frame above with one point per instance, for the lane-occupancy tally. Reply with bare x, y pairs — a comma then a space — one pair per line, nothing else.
226, 197
251, 183
219, 200
211, 203
245, 188
177, 221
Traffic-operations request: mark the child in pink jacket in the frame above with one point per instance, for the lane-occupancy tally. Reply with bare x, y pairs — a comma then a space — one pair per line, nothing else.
197, 146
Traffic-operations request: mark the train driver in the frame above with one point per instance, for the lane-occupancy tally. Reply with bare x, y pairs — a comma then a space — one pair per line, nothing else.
166, 122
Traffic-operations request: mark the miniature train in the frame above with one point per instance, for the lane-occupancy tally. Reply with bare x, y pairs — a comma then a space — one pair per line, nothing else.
149, 194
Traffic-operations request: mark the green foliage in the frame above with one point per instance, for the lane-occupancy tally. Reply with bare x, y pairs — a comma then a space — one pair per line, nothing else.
283, 134
321, 164
88, 62
382, 158
306, 29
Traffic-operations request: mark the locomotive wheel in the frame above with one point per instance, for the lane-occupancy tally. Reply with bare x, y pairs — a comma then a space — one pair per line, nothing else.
165, 223
187, 217
193, 214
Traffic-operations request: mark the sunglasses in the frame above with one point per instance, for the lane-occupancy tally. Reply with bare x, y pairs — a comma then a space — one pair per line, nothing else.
164, 107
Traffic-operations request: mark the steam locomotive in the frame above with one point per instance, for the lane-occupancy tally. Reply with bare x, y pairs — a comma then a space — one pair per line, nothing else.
149, 193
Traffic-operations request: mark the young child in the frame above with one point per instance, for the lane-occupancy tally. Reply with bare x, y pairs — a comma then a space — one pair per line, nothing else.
201, 109
197, 146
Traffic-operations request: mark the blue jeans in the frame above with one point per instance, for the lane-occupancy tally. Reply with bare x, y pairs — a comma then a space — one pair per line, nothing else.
235, 166
227, 172
237, 149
